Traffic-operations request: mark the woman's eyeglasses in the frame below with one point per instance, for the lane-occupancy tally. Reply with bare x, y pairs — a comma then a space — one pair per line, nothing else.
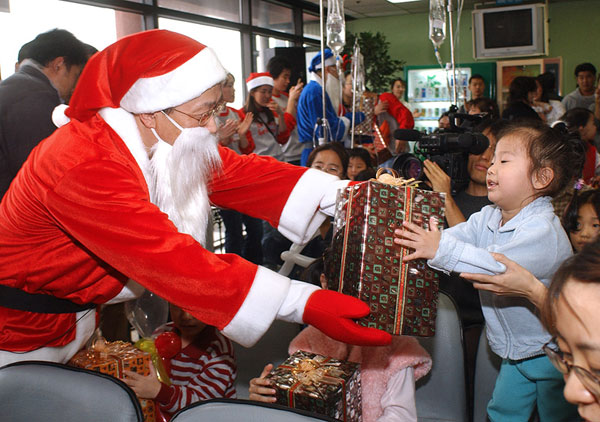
204, 118
589, 380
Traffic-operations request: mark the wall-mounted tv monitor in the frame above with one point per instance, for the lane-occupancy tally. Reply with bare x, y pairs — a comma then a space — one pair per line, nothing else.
509, 31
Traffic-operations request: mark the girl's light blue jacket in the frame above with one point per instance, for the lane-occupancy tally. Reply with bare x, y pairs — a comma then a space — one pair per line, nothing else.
535, 239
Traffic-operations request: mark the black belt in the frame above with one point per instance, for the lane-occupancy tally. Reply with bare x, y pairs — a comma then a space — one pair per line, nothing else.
20, 300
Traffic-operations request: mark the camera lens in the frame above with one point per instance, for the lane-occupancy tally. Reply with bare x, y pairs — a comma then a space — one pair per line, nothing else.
408, 166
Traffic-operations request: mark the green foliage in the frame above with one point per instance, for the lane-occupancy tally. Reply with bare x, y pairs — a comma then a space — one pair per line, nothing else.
380, 69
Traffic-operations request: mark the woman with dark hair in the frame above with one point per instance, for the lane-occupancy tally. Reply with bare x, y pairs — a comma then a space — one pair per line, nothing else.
580, 122
544, 103
520, 99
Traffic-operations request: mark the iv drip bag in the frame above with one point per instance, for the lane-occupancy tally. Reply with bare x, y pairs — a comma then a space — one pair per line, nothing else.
336, 26
437, 22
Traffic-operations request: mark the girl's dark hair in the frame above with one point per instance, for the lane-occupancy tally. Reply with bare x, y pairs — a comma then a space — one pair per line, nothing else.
331, 146
520, 87
396, 80
547, 81
255, 109
548, 147
583, 267
312, 273
361, 153
365, 175
575, 118
591, 197
495, 126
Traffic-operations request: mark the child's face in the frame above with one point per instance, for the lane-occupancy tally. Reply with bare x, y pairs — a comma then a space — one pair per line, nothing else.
262, 95
228, 93
588, 132
588, 227
355, 166
189, 326
577, 320
509, 182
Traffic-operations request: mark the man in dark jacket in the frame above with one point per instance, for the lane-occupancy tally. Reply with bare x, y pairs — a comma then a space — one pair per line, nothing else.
45, 79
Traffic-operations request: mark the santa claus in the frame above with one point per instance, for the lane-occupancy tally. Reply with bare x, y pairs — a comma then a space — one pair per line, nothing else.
123, 193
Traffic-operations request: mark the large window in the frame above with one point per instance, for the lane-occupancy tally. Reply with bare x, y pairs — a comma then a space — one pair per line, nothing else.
228, 10
225, 42
96, 26
272, 16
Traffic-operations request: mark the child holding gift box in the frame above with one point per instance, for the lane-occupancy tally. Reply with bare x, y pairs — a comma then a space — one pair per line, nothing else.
203, 368
388, 373
532, 162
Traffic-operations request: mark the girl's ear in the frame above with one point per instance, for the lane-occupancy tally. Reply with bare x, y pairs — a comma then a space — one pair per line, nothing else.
542, 178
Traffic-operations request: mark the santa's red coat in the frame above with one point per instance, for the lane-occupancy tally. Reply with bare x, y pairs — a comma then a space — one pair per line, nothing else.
77, 222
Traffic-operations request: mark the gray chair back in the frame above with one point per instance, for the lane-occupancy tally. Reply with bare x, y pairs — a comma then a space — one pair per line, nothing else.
227, 410
487, 366
441, 395
271, 348
33, 391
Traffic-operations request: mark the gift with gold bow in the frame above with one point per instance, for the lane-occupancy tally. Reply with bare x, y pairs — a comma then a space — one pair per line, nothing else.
319, 384
364, 261
113, 358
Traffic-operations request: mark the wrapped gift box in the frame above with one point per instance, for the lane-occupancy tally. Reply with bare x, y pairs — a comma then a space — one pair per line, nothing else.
319, 384
366, 263
113, 358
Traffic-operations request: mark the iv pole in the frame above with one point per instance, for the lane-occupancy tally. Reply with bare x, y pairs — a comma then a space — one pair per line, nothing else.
324, 125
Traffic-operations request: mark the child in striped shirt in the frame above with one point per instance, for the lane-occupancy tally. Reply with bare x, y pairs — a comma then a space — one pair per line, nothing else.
203, 369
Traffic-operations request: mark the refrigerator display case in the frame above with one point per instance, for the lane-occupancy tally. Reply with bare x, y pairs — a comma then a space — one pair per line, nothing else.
429, 90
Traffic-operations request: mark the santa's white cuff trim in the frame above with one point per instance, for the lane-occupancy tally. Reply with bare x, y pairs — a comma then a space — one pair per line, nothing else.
259, 309
300, 218
327, 204
292, 308
131, 290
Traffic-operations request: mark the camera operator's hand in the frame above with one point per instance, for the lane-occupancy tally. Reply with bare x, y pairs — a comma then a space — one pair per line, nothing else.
424, 242
440, 181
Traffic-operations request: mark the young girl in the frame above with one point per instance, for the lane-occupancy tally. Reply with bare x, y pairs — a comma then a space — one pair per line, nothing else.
531, 163
359, 160
581, 219
232, 130
388, 374
271, 127
232, 134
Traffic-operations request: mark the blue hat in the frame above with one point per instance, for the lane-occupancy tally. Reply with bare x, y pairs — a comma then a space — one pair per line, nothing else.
315, 63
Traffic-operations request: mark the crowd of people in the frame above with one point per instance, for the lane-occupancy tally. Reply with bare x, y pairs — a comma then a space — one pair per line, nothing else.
112, 194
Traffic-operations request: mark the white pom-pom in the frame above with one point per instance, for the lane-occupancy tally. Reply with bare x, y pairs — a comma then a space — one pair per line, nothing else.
58, 115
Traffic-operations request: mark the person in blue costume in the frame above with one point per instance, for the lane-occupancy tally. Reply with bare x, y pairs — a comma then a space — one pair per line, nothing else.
310, 105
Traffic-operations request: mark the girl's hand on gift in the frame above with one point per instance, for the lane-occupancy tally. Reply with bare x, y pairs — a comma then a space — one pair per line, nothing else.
424, 242
261, 388
145, 387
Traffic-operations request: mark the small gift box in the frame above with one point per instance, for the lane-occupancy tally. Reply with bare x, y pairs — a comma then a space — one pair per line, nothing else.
366, 263
113, 358
319, 384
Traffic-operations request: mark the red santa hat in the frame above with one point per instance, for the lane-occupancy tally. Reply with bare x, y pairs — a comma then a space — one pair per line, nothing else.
144, 73
258, 79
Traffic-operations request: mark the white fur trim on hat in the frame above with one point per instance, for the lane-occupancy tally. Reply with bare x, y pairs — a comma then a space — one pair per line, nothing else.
258, 81
329, 61
188, 81
58, 115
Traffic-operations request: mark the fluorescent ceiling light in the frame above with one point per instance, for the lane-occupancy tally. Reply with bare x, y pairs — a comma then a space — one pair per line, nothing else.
401, 1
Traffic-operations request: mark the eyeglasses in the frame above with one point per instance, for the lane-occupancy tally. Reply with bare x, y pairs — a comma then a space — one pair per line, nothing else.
205, 117
587, 379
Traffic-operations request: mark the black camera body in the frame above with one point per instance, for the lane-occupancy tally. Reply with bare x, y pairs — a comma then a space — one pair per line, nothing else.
449, 149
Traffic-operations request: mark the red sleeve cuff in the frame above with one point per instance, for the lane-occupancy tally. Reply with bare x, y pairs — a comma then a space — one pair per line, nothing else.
165, 394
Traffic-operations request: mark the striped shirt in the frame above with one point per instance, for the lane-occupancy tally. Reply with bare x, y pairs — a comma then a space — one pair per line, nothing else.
203, 370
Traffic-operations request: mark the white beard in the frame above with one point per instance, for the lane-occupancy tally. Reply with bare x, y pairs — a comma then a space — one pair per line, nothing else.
333, 90
180, 177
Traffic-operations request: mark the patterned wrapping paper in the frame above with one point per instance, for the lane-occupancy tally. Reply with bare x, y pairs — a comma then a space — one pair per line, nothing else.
319, 384
113, 358
367, 264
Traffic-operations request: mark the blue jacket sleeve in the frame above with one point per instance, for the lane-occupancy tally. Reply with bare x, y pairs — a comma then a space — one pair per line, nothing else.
310, 110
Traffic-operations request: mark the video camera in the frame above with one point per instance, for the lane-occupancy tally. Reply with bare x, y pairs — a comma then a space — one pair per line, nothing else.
449, 148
